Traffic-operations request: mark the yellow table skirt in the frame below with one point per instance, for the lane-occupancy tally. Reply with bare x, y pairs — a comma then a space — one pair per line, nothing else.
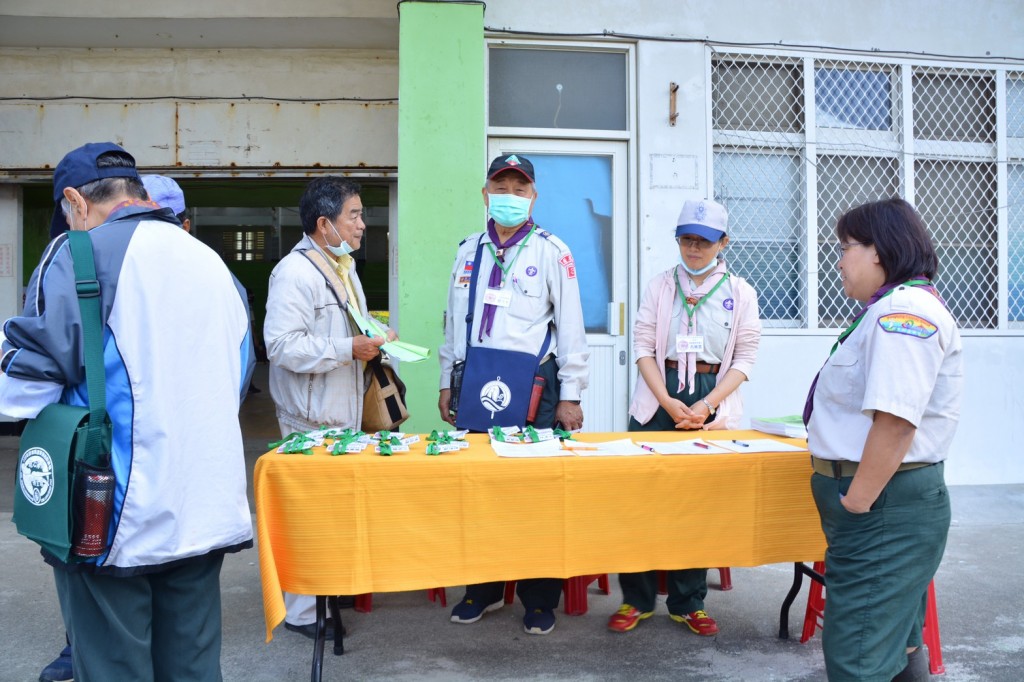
352, 524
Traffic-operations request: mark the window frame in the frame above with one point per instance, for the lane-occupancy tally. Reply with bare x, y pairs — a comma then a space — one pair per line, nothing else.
817, 141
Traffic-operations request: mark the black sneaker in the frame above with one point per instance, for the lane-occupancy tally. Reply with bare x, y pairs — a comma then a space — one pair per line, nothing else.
539, 621
60, 670
470, 611
309, 630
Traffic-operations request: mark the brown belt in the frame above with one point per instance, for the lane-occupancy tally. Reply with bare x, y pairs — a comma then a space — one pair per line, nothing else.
702, 367
844, 468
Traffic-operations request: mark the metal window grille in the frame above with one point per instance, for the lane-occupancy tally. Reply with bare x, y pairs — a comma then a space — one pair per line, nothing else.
758, 119
244, 245
786, 160
1015, 199
1015, 246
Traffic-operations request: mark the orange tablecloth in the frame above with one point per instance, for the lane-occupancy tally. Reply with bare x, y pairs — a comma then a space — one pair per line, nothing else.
352, 524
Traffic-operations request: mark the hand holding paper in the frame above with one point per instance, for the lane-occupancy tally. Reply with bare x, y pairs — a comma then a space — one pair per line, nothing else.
406, 352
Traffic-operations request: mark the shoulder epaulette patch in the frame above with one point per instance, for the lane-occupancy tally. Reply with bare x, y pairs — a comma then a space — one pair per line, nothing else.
464, 241
543, 233
905, 323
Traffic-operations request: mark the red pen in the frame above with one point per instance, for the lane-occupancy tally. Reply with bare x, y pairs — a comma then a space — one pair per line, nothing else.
702, 445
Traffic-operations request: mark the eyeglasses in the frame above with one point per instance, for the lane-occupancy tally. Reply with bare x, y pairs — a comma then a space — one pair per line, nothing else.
841, 248
689, 242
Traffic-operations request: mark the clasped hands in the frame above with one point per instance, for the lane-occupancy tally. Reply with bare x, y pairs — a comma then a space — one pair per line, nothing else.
687, 418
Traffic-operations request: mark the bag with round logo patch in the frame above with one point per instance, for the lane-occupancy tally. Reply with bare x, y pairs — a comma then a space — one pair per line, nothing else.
47, 475
64, 489
496, 385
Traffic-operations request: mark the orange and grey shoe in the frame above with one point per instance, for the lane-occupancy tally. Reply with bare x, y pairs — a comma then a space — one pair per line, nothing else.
698, 621
626, 618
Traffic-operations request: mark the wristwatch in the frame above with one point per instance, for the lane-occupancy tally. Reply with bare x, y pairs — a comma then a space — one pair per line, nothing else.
711, 408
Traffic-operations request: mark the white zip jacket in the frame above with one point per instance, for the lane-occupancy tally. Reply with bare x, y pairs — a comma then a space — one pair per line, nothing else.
314, 379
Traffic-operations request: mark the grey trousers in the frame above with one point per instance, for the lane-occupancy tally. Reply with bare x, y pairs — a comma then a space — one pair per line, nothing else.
154, 627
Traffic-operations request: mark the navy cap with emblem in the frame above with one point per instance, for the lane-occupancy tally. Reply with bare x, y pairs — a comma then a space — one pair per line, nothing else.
512, 162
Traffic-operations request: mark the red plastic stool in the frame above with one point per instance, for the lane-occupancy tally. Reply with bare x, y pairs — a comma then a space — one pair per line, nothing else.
814, 616
575, 590
364, 602
814, 619
724, 580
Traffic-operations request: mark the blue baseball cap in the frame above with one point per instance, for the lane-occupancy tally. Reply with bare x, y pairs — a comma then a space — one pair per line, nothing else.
704, 218
77, 168
165, 191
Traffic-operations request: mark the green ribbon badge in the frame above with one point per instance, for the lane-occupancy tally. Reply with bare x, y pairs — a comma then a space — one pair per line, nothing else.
294, 443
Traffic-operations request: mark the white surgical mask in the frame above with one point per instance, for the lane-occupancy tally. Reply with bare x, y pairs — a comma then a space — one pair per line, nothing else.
342, 250
697, 273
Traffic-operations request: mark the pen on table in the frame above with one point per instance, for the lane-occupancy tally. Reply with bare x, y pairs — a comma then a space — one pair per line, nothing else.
701, 445
739, 442
648, 448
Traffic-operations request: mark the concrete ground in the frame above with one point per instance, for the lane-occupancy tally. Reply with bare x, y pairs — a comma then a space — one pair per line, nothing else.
407, 637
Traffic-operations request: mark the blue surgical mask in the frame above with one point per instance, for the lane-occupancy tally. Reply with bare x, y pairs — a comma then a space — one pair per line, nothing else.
508, 210
697, 273
342, 250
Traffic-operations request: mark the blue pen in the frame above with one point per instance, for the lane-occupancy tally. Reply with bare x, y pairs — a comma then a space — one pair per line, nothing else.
741, 443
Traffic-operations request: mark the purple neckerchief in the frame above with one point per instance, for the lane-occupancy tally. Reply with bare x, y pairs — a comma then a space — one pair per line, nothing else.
925, 284
487, 321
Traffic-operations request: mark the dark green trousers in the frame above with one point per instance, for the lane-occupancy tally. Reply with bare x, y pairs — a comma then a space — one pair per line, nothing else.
686, 587
877, 569
154, 627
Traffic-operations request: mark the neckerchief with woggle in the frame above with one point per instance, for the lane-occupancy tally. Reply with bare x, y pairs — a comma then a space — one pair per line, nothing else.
499, 270
692, 299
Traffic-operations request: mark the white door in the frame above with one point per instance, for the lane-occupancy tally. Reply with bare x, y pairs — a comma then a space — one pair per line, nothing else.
581, 188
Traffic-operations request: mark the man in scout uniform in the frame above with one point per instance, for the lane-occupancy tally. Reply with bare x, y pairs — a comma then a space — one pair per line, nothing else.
514, 331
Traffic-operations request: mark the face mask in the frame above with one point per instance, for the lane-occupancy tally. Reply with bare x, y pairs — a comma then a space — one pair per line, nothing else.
697, 273
508, 210
342, 250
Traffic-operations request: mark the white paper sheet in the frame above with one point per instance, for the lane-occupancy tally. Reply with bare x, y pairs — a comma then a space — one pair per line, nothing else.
696, 446
545, 448
749, 446
611, 448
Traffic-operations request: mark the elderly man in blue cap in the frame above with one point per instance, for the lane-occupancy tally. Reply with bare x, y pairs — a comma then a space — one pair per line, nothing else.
151, 601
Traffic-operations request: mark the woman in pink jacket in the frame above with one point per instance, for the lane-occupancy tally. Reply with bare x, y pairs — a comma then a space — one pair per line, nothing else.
695, 340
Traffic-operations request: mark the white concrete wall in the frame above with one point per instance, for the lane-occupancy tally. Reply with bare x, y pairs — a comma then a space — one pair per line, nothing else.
979, 27
10, 250
217, 126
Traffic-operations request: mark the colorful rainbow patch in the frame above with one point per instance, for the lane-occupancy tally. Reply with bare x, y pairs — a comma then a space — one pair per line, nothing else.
905, 323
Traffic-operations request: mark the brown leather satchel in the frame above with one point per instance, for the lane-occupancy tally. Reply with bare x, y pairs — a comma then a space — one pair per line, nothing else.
384, 401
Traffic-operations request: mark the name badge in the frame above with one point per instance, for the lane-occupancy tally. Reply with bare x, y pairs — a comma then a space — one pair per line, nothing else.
686, 343
499, 297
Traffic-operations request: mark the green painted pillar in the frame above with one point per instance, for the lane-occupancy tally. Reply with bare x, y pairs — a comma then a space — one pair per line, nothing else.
441, 166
